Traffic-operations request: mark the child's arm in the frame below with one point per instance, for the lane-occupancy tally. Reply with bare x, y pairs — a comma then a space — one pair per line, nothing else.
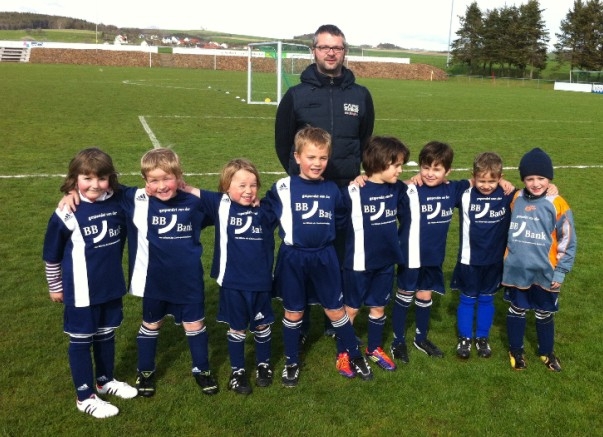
566, 242
360, 180
189, 189
55, 282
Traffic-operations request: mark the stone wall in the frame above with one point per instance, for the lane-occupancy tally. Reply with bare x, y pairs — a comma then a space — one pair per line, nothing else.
113, 58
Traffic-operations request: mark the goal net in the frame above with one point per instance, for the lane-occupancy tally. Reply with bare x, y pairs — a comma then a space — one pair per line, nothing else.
584, 76
273, 67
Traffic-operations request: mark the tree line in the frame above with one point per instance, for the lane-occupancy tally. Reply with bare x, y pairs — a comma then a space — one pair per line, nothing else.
513, 40
28, 20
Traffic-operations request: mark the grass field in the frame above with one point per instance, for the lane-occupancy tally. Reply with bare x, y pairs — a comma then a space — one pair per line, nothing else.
49, 112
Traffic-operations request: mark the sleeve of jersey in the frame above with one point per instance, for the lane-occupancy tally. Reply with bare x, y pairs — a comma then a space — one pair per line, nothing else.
566, 240
209, 202
55, 240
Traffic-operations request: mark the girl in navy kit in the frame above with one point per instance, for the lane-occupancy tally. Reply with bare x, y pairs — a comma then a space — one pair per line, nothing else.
83, 256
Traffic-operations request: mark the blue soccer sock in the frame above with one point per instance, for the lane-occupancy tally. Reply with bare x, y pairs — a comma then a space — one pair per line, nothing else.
516, 328
346, 334
375, 332
423, 313
199, 347
104, 355
291, 331
464, 315
263, 345
399, 314
485, 315
545, 332
146, 340
80, 362
236, 349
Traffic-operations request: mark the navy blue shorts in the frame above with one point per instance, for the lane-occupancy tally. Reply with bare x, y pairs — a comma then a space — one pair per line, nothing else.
242, 309
154, 310
89, 320
370, 288
534, 298
429, 278
475, 280
303, 277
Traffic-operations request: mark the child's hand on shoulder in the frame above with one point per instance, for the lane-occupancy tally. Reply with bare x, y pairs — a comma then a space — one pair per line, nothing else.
506, 186
360, 180
70, 201
415, 180
552, 190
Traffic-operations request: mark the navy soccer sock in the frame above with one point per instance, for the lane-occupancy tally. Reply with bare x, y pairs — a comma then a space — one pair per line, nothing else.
236, 349
104, 355
423, 313
464, 315
263, 345
399, 314
80, 362
345, 332
198, 345
375, 332
291, 331
485, 315
545, 332
516, 328
146, 340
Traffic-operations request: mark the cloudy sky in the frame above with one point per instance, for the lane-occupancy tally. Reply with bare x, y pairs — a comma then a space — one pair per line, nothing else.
423, 24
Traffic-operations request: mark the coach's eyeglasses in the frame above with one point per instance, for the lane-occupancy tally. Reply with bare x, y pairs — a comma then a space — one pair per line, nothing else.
326, 49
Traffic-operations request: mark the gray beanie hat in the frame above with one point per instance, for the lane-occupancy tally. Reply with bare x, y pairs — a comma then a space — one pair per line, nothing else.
536, 163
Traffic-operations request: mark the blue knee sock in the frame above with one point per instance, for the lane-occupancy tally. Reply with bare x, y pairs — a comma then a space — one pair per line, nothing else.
485, 315
464, 315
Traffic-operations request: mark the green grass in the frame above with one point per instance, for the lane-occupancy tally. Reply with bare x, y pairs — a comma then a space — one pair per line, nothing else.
49, 112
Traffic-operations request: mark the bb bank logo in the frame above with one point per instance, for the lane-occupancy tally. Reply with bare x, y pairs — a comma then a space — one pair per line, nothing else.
435, 210
310, 210
165, 226
378, 211
100, 232
243, 224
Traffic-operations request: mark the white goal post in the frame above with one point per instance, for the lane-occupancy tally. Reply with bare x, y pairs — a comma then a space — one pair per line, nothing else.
273, 67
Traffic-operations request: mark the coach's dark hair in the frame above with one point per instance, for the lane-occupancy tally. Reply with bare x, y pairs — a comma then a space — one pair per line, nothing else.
91, 161
381, 152
331, 29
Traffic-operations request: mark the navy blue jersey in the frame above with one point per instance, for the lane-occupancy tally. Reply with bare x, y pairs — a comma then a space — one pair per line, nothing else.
244, 243
484, 224
164, 246
372, 231
308, 211
423, 234
89, 245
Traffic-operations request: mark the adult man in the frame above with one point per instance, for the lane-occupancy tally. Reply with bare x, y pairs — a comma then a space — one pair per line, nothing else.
327, 97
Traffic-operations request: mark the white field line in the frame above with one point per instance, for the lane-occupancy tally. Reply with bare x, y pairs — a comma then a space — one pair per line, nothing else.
149, 131
59, 175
